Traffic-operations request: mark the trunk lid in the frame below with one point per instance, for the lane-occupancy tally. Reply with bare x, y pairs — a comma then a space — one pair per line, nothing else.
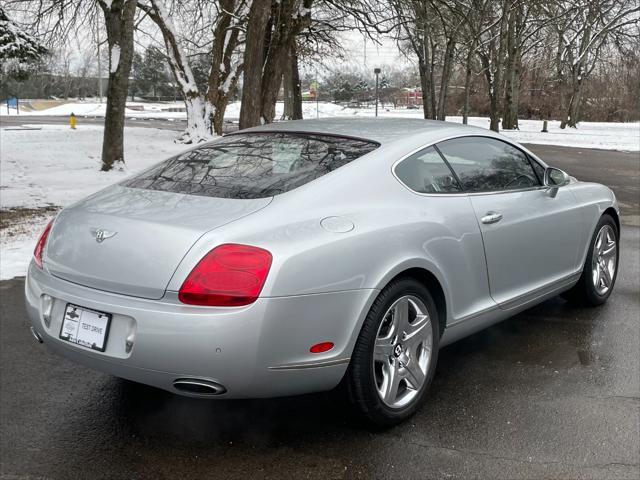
145, 235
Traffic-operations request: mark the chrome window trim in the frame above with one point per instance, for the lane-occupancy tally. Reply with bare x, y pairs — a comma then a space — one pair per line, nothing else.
466, 194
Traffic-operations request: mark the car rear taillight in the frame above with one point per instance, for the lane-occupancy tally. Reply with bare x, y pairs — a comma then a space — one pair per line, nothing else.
228, 276
42, 242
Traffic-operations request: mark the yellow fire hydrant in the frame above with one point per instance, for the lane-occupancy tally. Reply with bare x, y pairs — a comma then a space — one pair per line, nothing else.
72, 121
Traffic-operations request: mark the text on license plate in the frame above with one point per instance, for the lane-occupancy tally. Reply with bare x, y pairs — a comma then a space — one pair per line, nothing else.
85, 327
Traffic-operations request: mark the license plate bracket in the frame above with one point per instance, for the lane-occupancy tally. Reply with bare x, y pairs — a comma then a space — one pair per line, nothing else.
85, 327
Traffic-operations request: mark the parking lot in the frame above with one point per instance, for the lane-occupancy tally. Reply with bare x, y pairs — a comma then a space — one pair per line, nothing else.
553, 392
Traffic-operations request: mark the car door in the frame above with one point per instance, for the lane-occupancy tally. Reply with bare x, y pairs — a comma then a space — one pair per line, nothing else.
446, 233
529, 234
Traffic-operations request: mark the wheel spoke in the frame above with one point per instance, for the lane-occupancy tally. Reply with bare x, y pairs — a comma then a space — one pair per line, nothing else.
599, 242
417, 331
609, 250
596, 275
391, 382
606, 276
401, 314
383, 349
414, 374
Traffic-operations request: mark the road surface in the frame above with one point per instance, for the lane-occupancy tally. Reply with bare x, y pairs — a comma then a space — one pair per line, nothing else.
553, 393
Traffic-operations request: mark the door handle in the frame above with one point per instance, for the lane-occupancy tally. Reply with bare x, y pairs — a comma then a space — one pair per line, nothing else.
491, 217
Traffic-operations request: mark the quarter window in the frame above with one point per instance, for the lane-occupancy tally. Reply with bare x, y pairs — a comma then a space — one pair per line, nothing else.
486, 164
426, 172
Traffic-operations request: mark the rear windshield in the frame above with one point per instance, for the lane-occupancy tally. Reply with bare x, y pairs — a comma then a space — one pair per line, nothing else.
252, 165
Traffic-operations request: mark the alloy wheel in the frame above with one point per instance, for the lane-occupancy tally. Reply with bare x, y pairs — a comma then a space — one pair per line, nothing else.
604, 260
402, 352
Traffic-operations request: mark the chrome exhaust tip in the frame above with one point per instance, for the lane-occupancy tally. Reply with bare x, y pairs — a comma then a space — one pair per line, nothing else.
197, 386
35, 335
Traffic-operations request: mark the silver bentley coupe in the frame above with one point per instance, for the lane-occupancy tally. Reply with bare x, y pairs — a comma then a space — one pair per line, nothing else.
297, 256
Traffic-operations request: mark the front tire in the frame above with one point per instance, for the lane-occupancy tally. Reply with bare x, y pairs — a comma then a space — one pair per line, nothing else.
600, 267
395, 357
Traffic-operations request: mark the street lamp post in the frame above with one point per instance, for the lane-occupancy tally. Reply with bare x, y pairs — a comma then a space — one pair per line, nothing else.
377, 72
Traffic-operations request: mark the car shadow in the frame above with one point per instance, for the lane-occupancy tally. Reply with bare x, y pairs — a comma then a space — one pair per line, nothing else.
520, 342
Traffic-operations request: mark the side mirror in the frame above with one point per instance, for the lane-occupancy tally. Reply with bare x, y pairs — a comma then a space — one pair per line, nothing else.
555, 178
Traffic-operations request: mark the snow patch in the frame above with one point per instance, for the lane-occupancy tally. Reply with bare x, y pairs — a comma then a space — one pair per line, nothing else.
114, 58
601, 135
55, 165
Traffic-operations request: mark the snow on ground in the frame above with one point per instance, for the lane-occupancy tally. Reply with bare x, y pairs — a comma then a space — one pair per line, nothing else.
16, 247
54, 165
609, 136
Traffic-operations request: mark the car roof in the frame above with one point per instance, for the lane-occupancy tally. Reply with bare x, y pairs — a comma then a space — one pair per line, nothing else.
382, 130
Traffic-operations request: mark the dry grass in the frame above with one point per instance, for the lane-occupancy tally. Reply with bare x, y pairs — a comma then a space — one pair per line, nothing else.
17, 221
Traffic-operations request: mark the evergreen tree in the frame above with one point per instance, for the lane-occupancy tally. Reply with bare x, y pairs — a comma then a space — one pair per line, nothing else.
19, 51
150, 75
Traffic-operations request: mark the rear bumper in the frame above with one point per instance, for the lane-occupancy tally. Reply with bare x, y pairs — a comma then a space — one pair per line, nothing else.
261, 350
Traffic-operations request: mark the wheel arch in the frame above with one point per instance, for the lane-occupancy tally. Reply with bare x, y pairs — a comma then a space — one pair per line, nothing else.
613, 213
432, 283
430, 279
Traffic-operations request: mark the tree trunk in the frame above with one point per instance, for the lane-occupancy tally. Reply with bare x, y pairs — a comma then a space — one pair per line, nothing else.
286, 25
513, 66
515, 96
118, 16
223, 76
198, 127
433, 106
507, 119
467, 88
292, 87
273, 70
297, 87
218, 114
287, 88
424, 85
573, 114
253, 62
446, 77
493, 64
494, 112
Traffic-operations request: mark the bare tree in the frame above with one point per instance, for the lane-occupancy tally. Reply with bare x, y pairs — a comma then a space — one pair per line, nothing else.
430, 31
254, 57
59, 20
492, 47
583, 30
221, 34
288, 18
119, 21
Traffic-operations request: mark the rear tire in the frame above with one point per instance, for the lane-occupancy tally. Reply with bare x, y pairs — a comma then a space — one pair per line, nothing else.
395, 356
600, 267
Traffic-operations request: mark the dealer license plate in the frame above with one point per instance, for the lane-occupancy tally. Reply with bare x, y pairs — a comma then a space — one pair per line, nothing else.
85, 327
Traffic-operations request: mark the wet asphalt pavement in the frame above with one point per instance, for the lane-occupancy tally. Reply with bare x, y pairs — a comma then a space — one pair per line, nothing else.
551, 393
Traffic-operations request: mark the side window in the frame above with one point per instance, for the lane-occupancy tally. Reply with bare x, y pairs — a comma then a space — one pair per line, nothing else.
485, 164
426, 172
539, 170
